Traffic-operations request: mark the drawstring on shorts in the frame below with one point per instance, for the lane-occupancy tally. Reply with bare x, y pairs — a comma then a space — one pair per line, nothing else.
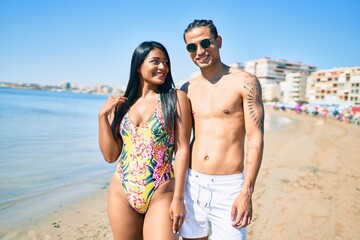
210, 194
208, 204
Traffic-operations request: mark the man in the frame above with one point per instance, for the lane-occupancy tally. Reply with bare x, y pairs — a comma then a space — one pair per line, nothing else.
226, 107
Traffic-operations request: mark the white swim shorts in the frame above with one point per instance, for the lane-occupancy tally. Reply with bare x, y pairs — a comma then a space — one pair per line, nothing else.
208, 203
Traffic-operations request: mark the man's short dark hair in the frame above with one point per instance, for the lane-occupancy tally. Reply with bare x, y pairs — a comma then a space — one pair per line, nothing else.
202, 23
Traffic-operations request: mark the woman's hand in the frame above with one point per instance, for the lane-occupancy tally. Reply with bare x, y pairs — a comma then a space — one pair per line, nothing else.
110, 104
109, 146
177, 214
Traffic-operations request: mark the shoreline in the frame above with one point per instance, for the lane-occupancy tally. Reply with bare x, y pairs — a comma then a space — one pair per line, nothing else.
307, 188
84, 219
33, 209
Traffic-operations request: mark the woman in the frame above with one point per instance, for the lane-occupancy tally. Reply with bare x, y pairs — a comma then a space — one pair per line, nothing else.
151, 122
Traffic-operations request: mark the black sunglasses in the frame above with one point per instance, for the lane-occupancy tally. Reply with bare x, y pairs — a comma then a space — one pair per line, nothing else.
192, 47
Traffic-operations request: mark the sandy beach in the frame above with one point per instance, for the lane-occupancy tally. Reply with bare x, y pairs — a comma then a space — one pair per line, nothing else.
308, 188
309, 183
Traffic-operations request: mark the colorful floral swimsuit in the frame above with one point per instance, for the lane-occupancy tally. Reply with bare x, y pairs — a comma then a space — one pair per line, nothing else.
146, 158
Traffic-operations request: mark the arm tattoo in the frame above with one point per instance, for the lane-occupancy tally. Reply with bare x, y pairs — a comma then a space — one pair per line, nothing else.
254, 102
250, 147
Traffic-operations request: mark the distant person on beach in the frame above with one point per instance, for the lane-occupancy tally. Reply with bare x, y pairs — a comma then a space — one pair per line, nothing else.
145, 127
322, 116
227, 108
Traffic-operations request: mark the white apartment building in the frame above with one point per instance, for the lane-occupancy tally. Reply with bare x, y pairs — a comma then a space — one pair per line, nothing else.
338, 85
271, 72
295, 87
237, 65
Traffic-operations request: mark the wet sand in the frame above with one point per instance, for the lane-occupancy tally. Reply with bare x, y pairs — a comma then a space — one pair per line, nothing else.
84, 220
308, 188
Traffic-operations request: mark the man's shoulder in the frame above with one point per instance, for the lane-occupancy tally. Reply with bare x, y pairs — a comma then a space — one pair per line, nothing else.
185, 86
240, 74
239, 78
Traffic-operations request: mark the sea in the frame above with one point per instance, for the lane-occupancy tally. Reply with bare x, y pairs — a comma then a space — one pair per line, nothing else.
49, 152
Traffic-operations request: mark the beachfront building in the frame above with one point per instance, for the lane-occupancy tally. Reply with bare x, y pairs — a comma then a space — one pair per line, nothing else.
67, 86
295, 87
237, 65
272, 72
338, 85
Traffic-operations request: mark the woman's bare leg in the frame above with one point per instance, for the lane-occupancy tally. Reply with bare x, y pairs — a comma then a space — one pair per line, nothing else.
157, 223
126, 223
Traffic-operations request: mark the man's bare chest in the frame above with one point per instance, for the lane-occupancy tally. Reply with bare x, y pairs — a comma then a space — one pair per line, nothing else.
215, 103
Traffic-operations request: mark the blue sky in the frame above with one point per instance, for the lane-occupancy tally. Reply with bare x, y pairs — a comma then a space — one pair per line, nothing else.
90, 42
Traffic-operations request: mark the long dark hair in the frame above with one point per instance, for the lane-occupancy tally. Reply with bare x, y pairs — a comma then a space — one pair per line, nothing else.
167, 89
